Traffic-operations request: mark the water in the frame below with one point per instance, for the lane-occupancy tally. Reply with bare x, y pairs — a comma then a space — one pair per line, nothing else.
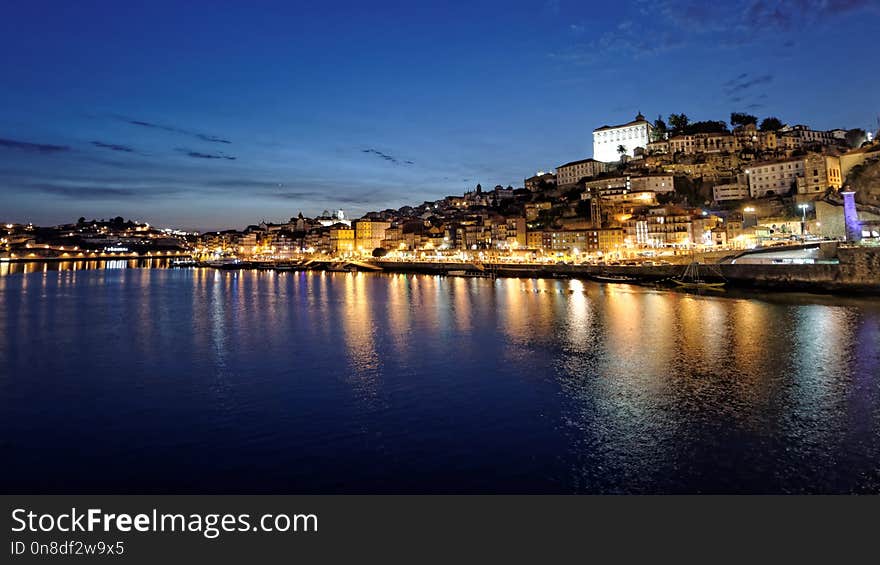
179, 381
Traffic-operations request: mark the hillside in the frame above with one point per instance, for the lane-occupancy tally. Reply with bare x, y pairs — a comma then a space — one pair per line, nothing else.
865, 180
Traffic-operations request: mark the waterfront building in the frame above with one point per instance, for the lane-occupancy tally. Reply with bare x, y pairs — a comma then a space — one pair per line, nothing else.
534, 239
342, 240
610, 240
607, 139
368, 235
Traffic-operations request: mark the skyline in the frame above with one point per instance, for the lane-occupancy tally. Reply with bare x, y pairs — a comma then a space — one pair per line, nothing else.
204, 119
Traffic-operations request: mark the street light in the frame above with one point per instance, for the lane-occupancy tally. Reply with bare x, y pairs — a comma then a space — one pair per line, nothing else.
803, 208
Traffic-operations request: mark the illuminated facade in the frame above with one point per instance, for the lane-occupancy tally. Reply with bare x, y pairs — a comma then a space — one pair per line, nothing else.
607, 139
569, 174
368, 235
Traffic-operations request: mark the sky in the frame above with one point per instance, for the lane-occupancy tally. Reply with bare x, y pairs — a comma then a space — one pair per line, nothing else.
209, 115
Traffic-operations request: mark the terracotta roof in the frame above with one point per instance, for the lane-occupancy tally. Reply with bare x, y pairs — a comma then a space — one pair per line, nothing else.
640, 119
579, 162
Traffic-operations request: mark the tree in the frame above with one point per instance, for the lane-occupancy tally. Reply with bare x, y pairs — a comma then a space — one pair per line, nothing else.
622, 150
771, 124
855, 137
678, 122
660, 129
81, 221
709, 126
380, 252
741, 119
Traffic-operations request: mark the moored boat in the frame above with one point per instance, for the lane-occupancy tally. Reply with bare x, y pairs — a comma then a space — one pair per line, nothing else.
691, 278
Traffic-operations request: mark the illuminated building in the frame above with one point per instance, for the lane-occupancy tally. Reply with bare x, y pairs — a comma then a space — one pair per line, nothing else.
569, 174
607, 139
369, 234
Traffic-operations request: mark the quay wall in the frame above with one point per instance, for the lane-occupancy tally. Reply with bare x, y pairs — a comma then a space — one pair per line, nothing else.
858, 271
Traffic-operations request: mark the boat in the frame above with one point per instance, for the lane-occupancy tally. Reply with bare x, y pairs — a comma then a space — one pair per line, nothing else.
474, 274
223, 262
614, 278
691, 278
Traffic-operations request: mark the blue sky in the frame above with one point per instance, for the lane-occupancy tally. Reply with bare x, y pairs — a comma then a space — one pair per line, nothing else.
218, 114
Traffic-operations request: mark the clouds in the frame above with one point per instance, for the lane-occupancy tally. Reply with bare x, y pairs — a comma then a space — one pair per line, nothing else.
201, 155
174, 129
31, 147
792, 14
740, 89
387, 157
113, 146
369, 197
744, 82
92, 192
655, 27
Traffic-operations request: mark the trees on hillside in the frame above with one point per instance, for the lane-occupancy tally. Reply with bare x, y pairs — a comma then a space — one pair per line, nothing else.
678, 123
742, 119
660, 129
771, 124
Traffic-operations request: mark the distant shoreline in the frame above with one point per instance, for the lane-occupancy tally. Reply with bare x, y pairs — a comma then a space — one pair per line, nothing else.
857, 273
101, 257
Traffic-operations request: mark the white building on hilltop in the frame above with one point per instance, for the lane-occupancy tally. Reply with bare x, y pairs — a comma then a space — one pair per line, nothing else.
607, 139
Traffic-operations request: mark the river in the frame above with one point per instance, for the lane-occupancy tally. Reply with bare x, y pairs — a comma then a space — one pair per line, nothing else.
196, 381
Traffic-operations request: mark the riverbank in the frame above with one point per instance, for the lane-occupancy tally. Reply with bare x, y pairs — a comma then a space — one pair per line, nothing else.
85, 256
855, 270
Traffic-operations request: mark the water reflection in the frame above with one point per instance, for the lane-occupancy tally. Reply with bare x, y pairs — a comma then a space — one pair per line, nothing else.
412, 382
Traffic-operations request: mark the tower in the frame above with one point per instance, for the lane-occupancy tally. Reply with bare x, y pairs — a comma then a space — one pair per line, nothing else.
851, 217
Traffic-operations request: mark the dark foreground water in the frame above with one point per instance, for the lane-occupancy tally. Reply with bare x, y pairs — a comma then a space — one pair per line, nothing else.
153, 380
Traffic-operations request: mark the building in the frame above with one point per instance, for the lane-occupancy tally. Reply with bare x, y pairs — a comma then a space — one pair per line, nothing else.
534, 239
703, 143
774, 178
623, 184
812, 174
607, 139
730, 191
534, 209
610, 240
750, 137
652, 183
540, 178
369, 235
821, 172
569, 174
342, 239
809, 136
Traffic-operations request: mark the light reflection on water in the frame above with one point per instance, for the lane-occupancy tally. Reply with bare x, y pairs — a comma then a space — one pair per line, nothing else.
200, 380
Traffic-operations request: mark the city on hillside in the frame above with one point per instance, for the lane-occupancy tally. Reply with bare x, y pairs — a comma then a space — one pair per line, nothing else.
651, 188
